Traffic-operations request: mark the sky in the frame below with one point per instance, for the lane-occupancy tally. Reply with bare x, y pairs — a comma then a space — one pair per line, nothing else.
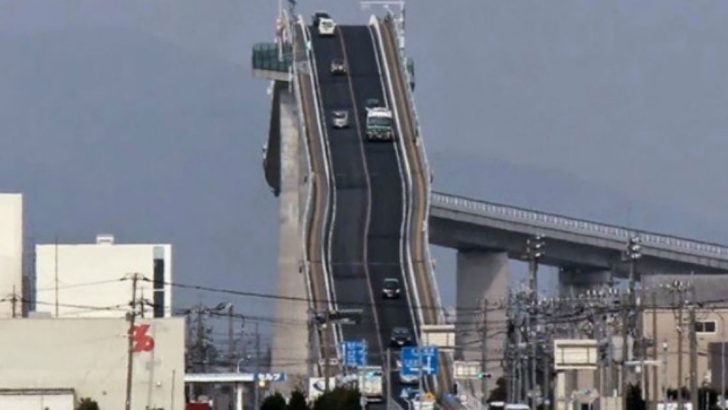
142, 119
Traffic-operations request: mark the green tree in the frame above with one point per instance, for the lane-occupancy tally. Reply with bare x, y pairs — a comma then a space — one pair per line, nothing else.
341, 398
298, 401
87, 404
274, 402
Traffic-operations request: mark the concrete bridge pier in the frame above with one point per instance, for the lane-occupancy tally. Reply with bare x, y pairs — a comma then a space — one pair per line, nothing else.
481, 275
289, 351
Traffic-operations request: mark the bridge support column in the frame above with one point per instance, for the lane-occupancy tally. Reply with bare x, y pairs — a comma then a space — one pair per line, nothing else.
573, 282
290, 350
480, 275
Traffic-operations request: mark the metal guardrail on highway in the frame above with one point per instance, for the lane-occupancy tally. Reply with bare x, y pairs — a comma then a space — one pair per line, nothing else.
552, 221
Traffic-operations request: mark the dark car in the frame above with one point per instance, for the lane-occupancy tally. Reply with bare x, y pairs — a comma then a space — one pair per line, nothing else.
390, 288
401, 336
338, 67
372, 102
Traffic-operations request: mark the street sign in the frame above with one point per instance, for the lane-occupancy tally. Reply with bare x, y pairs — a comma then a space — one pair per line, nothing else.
354, 353
272, 377
411, 361
442, 336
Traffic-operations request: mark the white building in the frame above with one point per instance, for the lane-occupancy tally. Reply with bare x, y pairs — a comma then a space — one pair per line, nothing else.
94, 280
11, 252
77, 358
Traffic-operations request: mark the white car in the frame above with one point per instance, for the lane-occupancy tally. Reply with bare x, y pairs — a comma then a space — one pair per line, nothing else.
326, 27
340, 119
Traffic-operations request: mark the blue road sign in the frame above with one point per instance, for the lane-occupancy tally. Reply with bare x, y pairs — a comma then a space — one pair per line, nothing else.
411, 360
354, 353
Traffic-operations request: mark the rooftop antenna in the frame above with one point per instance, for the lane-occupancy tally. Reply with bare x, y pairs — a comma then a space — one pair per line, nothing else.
397, 16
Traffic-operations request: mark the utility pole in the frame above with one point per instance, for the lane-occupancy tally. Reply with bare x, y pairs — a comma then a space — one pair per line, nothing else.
14, 302
693, 356
256, 388
680, 329
200, 348
534, 252
545, 392
130, 341
231, 338
484, 354
327, 325
625, 347
654, 345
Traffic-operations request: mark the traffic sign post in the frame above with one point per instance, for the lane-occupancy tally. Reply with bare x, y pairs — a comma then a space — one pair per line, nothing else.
354, 353
427, 355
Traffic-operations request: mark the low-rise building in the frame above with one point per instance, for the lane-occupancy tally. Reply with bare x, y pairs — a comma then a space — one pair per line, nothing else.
88, 357
669, 327
11, 254
94, 280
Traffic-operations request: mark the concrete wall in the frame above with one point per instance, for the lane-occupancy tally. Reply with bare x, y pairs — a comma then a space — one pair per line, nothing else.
90, 356
11, 251
90, 278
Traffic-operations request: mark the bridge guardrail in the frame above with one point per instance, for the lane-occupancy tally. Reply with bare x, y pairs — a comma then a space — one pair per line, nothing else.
603, 231
420, 144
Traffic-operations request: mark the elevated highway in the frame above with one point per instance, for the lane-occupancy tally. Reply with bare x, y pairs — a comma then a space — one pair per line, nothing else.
362, 207
355, 212
466, 223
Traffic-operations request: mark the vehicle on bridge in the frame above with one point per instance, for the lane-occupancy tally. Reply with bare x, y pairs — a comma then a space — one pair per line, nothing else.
370, 103
340, 119
407, 379
379, 124
426, 402
391, 288
338, 67
400, 336
371, 383
326, 26
317, 16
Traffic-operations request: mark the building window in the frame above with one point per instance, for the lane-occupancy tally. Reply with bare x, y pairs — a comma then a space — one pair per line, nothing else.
158, 304
707, 326
158, 274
